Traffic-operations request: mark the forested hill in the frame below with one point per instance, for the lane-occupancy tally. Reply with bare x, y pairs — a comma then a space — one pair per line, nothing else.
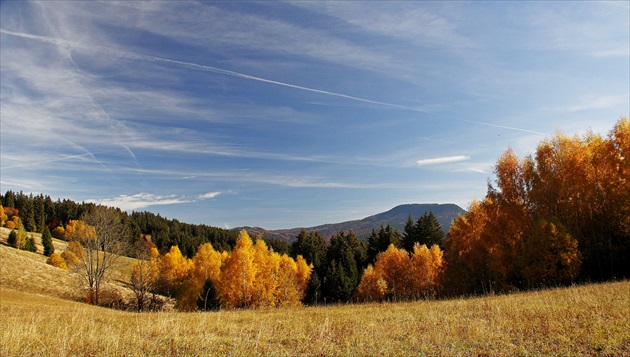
395, 217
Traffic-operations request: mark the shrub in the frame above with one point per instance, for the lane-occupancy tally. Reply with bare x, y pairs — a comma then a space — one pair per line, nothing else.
10, 224
57, 260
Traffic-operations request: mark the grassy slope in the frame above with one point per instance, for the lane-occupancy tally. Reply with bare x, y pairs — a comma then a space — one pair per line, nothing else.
583, 320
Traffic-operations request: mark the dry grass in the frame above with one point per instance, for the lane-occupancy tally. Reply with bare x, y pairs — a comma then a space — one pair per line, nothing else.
37, 319
578, 321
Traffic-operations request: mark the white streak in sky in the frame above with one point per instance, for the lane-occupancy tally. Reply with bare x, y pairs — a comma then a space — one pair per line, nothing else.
442, 160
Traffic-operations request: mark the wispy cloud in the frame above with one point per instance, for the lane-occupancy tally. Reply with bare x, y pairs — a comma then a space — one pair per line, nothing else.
209, 195
144, 200
442, 160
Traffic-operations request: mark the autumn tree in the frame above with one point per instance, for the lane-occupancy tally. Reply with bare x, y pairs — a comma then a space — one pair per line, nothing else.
393, 264
174, 269
57, 260
549, 256
467, 260
49, 248
3, 216
73, 253
425, 271
372, 287
103, 241
237, 275
397, 275
207, 274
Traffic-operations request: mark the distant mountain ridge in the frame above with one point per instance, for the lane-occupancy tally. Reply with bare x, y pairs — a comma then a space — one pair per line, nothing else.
396, 217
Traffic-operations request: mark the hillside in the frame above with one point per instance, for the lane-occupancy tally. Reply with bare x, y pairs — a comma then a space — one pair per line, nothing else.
396, 217
28, 272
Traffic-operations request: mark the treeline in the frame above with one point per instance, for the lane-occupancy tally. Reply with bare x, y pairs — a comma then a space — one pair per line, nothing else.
37, 212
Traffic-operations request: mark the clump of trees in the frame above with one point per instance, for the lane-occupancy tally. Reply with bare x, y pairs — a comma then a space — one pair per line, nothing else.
398, 275
558, 216
250, 276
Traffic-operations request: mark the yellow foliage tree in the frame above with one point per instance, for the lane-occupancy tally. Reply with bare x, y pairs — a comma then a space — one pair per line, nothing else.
237, 275
175, 269
206, 270
78, 230
57, 260
3, 216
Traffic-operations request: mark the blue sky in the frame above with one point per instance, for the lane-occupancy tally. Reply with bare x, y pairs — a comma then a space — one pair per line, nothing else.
288, 114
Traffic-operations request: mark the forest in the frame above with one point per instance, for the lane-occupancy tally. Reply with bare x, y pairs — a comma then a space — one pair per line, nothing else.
553, 218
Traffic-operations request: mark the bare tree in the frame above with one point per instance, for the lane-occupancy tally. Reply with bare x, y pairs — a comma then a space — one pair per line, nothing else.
143, 281
102, 246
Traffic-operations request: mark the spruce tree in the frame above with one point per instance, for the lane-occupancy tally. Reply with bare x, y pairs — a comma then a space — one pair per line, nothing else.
378, 243
29, 245
430, 231
12, 240
409, 235
49, 248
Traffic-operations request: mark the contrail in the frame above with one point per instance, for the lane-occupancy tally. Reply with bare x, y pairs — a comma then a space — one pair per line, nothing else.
32, 163
217, 70
264, 80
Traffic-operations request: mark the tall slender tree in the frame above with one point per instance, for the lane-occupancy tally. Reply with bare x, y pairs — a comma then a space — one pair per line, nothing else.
49, 248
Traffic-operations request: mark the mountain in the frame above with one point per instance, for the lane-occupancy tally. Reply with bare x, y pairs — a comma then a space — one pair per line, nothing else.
396, 217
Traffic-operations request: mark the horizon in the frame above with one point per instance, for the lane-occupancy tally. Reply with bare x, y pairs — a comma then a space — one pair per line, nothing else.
295, 114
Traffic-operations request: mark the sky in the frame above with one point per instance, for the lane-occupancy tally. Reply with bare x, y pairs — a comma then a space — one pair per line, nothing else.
295, 114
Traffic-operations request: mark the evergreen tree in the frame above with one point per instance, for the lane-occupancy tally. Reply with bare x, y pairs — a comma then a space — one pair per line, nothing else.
345, 259
12, 240
9, 199
28, 215
39, 213
429, 231
29, 245
378, 243
409, 235
49, 248
312, 247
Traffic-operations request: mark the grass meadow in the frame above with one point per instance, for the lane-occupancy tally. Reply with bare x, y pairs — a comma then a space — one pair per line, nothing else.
41, 315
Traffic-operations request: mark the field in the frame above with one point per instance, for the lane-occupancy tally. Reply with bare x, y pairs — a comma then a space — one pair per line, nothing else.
38, 317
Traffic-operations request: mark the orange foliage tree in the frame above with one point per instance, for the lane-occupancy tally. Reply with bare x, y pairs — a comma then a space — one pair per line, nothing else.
549, 218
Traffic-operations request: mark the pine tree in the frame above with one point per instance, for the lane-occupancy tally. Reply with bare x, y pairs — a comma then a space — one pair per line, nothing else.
49, 248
